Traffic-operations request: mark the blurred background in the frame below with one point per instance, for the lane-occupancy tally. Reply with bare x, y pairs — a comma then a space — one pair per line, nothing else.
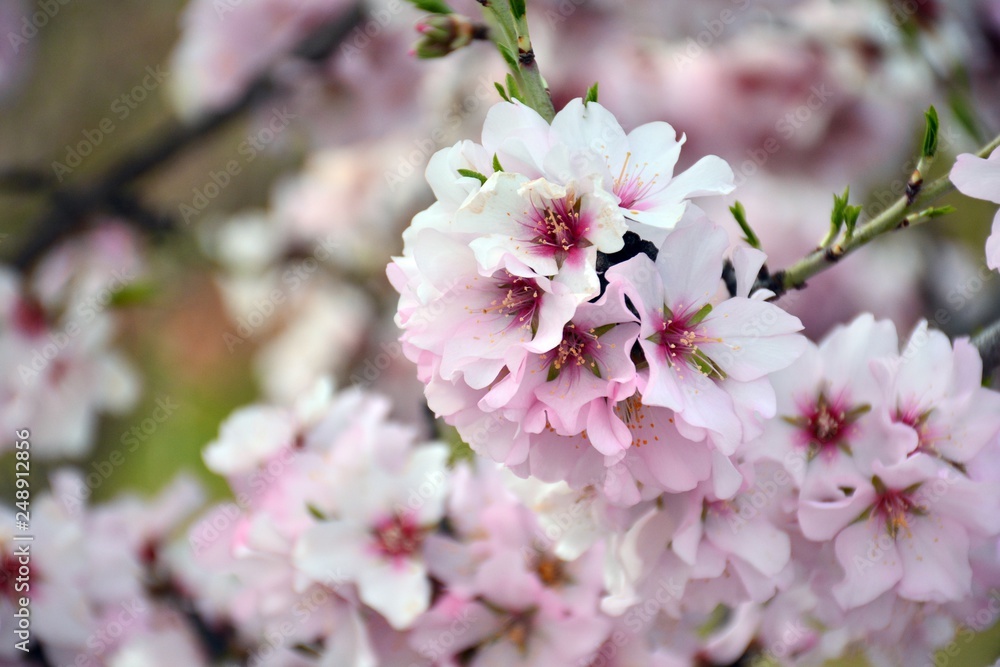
202, 196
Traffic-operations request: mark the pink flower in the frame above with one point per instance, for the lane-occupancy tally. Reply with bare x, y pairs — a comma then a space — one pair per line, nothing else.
824, 397
516, 601
550, 390
933, 401
638, 167
703, 352
555, 230
379, 516
904, 528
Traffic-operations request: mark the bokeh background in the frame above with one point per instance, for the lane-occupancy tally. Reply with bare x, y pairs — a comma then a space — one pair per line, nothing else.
804, 98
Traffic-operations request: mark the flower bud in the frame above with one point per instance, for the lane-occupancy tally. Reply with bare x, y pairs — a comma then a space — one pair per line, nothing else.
441, 34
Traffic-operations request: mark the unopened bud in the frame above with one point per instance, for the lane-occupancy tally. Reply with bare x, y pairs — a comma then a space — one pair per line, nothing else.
440, 34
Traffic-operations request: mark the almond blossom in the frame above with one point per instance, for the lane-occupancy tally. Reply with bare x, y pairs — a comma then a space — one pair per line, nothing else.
700, 351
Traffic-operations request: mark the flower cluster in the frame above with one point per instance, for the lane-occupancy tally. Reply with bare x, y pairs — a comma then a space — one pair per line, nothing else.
351, 542
563, 301
565, 311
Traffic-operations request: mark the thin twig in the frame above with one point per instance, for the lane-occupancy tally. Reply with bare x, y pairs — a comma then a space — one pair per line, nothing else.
905, 212
70, 207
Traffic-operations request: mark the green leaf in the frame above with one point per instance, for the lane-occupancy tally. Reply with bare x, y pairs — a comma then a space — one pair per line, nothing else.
496, 163
315, 512
591, 94
473, 174
512, 88
502, 91
931, 132
432, 6
741, 219
603, 329
837, 216
517, 8
700, 315
851, 215
553, 373
937, 211
509, 57
839, 207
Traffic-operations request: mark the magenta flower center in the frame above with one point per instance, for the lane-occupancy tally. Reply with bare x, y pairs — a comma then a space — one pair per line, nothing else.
826, 425
632, 186
894, 507
679, 338
398, 536
919, 421
559, 228
519, 301
577, 349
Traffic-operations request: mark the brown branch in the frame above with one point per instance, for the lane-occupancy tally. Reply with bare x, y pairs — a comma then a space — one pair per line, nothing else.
70, 207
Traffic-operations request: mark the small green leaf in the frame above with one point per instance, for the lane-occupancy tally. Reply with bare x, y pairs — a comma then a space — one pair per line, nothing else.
473, 174
517, 8
512, 88
937, 211
931, 132
851, 215
502, 91
741, 219
432, 6
553, 373
839, 207
591, 94
509, 57
837, 217
315, 512
700, 315
496, 163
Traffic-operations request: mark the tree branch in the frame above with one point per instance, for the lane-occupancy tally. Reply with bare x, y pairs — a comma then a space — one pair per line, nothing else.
907, 211
70, 207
